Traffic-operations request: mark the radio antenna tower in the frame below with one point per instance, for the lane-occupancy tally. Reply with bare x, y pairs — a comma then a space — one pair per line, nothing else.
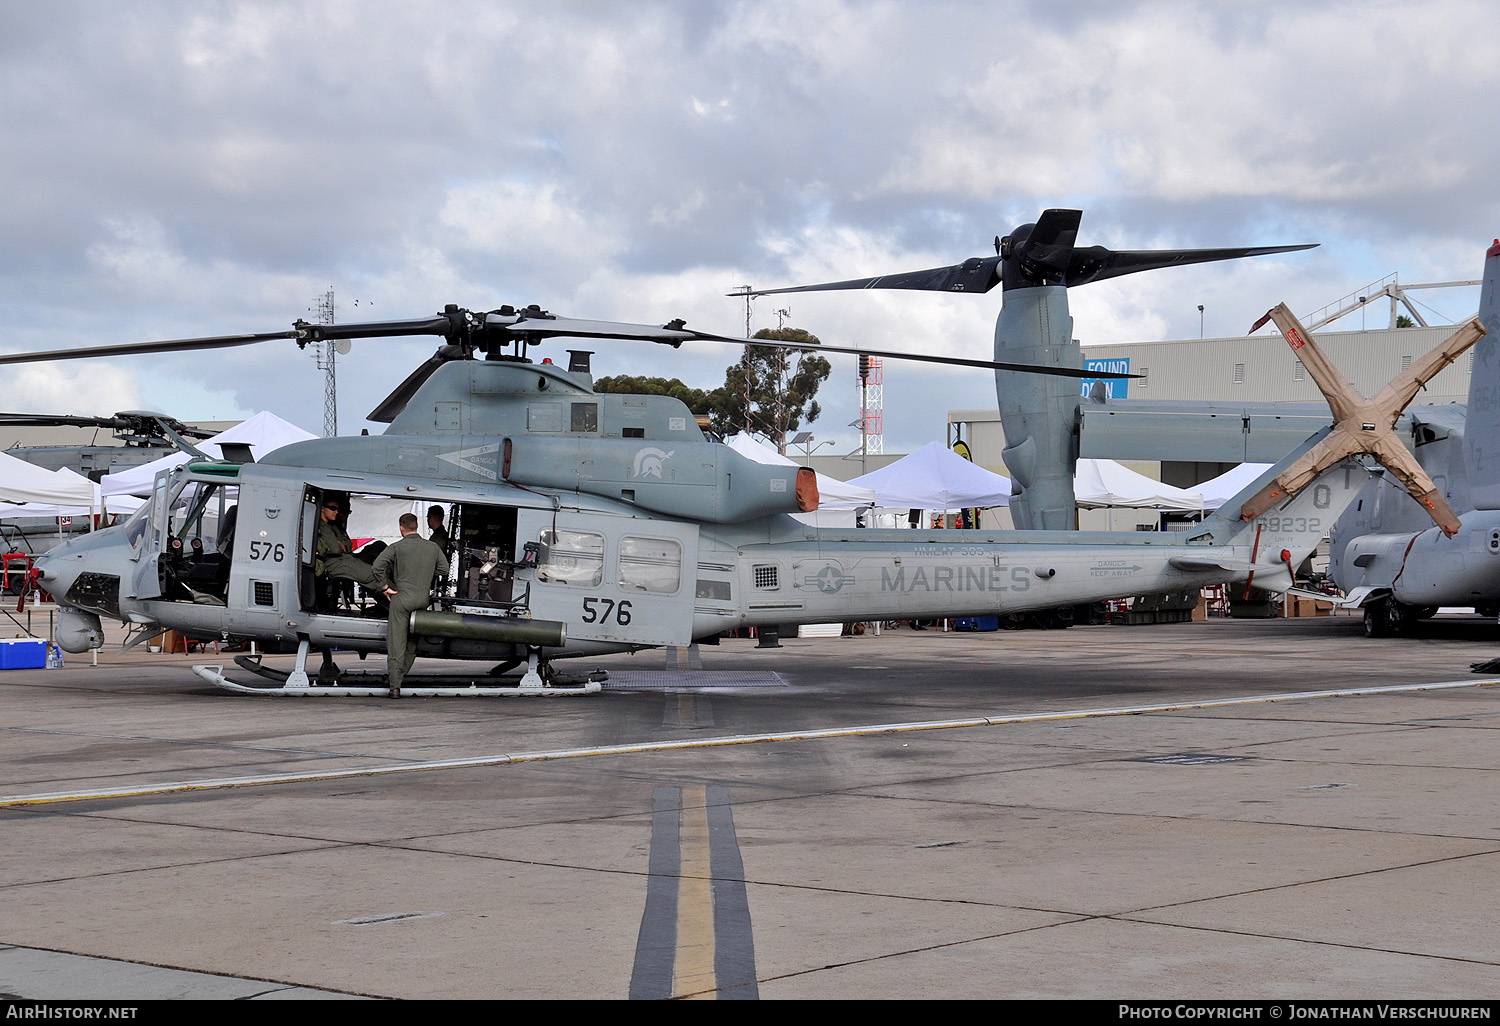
325, 355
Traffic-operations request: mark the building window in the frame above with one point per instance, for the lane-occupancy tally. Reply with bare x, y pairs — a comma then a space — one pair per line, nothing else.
1299, 372
1405, 362
1145, 377
1239, 374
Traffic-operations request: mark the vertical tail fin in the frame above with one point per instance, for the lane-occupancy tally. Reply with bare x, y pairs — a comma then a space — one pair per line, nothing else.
1482, 431
1286, 533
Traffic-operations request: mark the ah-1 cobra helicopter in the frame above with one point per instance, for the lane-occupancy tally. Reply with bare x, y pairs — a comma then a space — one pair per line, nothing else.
590, 523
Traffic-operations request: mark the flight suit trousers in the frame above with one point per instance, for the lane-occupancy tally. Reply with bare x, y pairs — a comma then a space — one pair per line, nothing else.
400, 646
352, 567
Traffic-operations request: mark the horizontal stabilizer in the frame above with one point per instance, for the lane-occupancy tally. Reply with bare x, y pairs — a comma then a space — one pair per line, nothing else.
1359, 596
1196, 563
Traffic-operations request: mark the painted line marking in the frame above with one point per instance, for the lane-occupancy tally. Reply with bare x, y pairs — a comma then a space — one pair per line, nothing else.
656, 944
695, 938
734, 939
220, 783
693, 967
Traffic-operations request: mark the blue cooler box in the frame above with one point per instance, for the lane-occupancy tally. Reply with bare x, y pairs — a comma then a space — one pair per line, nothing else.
22, 653
977, 623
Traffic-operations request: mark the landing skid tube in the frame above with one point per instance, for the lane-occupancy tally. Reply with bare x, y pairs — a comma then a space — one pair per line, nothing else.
375, 685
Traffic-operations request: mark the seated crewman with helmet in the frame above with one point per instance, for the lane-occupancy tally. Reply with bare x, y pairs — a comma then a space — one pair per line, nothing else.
333, 553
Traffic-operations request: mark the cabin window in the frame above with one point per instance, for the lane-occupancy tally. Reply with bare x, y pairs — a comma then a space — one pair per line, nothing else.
571, 557
715, 591
585, 417
650, 564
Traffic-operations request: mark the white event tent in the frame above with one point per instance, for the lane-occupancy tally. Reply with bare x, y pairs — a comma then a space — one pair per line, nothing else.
1104, 484
264, 433
28, 491
935, 477
1230, 483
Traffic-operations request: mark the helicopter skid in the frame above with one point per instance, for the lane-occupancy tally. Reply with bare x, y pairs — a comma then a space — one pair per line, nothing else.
363, 685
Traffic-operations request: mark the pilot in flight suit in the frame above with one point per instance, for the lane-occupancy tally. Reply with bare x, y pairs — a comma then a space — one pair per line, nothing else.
405, 572
334, 551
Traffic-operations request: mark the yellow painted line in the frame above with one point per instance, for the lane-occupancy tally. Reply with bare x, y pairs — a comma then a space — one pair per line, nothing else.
144, 790
693, 970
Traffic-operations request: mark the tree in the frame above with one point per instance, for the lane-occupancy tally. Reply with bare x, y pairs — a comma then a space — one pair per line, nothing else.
1403, 321
697, 400
771, 390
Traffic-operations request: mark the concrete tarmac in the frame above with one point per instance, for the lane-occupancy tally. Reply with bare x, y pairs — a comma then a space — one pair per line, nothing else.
915, 815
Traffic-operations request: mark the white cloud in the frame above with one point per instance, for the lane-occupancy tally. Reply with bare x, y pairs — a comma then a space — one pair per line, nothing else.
190, 170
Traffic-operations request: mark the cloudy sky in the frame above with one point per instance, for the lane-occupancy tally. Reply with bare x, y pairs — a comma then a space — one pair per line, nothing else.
184, 169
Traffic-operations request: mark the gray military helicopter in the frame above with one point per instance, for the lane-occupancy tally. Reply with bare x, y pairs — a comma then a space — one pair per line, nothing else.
1384, 555
588, 523
1398, 559
144, 436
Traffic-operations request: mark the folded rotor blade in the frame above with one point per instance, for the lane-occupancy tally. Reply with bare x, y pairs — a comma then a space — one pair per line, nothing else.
1046, 253
1097, 263
1363, 426
977, 274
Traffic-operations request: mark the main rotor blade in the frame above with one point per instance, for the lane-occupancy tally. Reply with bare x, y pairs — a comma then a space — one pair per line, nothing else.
139, 420
534, 327
1097, 263
977, 274
952, 361
58, 420
136, 348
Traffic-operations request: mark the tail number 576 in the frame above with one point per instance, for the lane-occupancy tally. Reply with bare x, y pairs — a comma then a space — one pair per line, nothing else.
603, 610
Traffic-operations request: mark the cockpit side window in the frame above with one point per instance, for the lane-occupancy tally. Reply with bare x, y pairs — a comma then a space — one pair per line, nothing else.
135, 526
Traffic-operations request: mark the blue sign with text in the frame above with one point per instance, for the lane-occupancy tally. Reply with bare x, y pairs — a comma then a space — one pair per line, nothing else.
1114, 388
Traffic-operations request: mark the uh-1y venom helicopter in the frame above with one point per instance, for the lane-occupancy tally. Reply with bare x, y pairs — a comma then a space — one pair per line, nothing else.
590, 523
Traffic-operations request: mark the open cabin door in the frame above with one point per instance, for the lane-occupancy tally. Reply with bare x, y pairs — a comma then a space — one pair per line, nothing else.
146, 583
612, 578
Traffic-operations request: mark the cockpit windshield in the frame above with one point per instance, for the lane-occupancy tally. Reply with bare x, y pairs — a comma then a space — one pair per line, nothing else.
135, 526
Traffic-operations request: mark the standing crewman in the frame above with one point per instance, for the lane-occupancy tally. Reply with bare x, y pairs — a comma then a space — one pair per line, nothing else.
404, 572
438, 533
